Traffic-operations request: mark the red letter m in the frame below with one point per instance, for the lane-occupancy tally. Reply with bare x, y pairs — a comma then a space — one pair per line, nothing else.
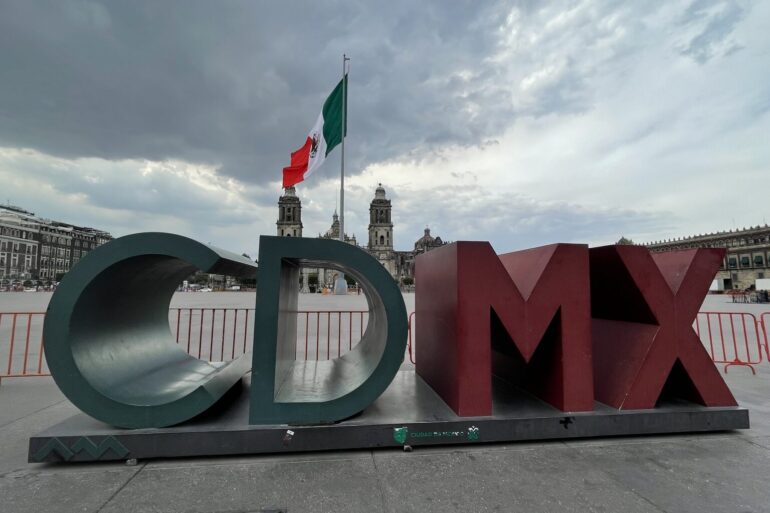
524, 316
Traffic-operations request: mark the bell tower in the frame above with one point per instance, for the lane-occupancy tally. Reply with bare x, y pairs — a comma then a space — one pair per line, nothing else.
289, 214
380, 223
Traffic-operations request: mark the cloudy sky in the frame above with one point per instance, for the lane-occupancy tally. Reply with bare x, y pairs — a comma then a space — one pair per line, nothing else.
521, 123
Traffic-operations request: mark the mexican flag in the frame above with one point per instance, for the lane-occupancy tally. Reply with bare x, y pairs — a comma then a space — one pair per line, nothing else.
323, 137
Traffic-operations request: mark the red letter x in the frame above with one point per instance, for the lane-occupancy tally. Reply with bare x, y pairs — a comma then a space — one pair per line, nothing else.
643, 306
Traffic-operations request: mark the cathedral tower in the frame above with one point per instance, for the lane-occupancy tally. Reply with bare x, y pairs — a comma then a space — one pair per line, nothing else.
380, 224
289, 214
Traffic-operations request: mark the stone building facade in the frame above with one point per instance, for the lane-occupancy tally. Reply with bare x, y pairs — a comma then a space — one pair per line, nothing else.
289, 214
33, 248
400, 264
746, 260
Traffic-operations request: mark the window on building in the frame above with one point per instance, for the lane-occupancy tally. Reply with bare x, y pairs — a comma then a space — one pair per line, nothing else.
760, 276
758, 260
732, 262
745, 261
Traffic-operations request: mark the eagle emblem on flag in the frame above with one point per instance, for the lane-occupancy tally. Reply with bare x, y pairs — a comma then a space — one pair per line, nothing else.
314, 145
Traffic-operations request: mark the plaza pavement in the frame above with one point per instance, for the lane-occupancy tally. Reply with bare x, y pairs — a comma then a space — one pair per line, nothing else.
684, 473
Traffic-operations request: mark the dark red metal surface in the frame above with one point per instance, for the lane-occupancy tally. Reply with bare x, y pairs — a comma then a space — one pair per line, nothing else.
523, 315
643, 307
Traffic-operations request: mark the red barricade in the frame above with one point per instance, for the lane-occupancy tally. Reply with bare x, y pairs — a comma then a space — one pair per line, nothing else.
410, 329
764, 321
221, 334
731, 338
21, 339
213, 334
344, 329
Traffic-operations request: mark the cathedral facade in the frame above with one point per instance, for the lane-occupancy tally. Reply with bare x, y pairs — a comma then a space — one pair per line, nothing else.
400, 264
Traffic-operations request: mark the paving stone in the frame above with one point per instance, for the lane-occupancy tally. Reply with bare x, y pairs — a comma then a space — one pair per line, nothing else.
697, 475
338, 485
544, 479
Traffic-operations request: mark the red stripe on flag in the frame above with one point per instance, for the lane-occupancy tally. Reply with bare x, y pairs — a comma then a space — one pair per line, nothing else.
295, 172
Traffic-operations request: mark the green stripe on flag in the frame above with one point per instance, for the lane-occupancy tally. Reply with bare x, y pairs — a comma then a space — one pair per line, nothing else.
332, 112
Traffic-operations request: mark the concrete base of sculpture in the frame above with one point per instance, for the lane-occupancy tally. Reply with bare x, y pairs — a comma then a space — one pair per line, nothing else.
408, 413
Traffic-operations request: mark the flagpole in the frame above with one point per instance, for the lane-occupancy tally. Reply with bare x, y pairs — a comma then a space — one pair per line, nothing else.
342, 156
341, 286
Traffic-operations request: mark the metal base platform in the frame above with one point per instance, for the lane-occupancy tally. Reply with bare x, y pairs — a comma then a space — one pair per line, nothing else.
408, 413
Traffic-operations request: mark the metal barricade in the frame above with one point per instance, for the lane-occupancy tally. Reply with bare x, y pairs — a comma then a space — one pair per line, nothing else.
21, 339
410, 343
212, 334
731, 338
764, 321
345, 327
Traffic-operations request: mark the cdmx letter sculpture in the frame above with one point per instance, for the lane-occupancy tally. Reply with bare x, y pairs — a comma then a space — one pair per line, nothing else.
592, 338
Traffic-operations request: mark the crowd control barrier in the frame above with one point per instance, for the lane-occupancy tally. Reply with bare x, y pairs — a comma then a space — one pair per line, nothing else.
211, 334
410, 340
21, 345
732, 338
223, 334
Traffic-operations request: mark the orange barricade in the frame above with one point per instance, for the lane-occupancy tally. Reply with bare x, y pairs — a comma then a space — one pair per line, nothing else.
213, 334
764, 321
21, 339
410, 328
346, 327
220, 334
731, 338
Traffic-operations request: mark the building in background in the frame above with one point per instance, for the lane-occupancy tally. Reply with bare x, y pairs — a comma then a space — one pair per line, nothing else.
746, 260
400, 264
37, 249
289, 214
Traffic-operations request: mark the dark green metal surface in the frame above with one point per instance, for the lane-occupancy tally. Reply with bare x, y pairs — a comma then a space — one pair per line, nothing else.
287, 391
107, 338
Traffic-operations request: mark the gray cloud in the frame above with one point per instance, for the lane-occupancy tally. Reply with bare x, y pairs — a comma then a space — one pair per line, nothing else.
515, 221
227, 89
236, 83
714, 22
